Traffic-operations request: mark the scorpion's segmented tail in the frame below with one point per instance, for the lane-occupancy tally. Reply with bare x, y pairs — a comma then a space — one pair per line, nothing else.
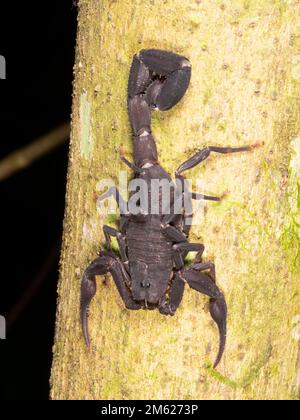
158, 80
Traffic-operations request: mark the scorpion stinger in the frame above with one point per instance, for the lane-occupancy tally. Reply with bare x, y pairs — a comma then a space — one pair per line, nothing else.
149, 270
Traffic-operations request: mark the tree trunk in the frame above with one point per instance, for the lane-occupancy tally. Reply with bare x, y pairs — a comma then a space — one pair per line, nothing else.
245, 57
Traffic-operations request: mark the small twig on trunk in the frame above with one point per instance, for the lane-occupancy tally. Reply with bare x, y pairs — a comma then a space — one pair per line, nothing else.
23, 157
35, 284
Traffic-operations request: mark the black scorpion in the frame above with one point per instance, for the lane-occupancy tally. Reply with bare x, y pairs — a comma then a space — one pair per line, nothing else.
150, 270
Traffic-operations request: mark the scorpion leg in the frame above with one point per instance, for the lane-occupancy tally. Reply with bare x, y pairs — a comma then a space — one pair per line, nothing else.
113, 191
203, 283
110, 231
122, 204
176, 216
182, 211
179, 238
131, 165
197, 196
209, 265
181, 247
204, 153
105, 263
180, 251
175, 296
173, 234
185, 192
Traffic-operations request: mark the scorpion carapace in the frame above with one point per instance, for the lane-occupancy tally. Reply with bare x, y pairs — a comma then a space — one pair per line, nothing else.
150, 270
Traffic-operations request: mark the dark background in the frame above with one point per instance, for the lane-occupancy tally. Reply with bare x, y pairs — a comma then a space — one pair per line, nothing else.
37, 40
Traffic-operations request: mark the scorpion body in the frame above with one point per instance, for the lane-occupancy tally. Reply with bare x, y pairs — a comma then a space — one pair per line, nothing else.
150, 270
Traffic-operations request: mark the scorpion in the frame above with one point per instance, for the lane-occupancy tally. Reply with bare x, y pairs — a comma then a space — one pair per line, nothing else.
150, 270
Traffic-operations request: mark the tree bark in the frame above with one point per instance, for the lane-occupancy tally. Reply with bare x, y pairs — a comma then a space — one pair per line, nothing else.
245, 57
